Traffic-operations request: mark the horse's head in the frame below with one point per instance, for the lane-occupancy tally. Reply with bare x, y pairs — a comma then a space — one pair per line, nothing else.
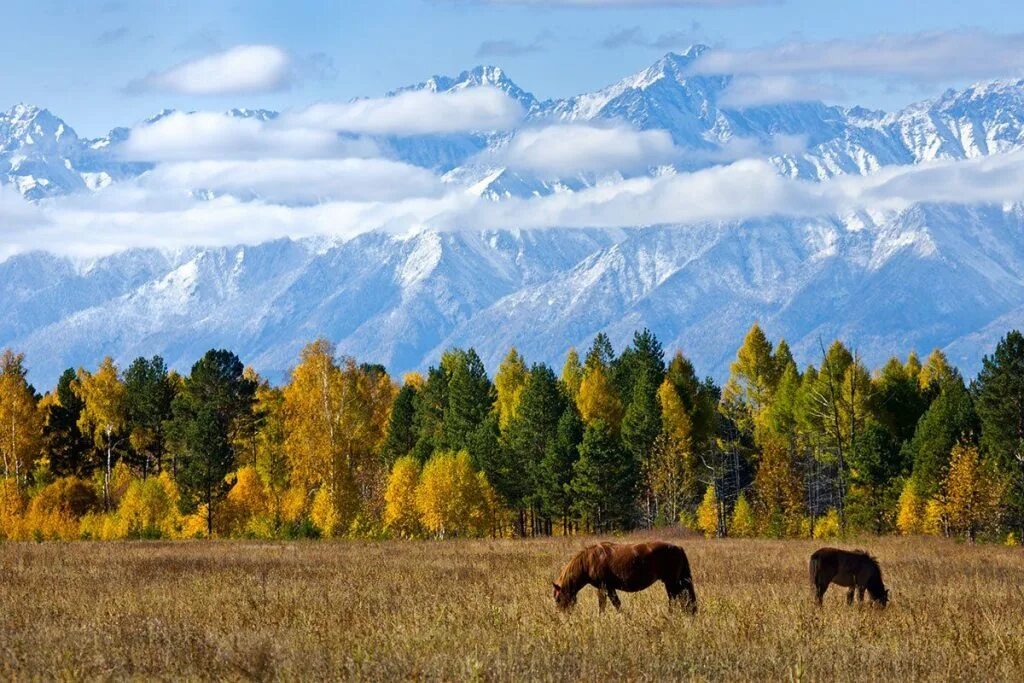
563, 598
883, 597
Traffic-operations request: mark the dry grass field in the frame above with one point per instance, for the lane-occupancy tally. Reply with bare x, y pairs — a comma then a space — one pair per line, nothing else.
482, 609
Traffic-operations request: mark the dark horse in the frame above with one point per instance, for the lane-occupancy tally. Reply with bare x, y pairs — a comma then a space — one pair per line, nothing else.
628, 567
855, 569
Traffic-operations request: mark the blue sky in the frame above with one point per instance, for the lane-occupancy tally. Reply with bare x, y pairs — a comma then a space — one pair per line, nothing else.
77, 58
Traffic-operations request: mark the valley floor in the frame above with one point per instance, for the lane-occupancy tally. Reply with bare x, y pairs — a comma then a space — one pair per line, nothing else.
483, 609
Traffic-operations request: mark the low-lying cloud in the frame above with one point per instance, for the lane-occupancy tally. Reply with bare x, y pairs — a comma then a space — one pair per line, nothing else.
416, 112
562, 150
148, 213
208, 135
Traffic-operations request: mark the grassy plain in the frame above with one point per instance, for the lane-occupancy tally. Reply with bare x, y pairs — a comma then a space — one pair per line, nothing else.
482, 610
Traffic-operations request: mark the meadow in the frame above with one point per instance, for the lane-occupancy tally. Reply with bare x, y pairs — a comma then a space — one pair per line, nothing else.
481, 609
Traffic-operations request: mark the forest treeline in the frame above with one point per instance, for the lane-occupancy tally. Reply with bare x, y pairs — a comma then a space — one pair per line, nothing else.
611, 442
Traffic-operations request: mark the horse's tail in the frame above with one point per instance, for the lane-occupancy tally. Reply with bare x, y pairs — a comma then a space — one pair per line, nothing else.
813, 568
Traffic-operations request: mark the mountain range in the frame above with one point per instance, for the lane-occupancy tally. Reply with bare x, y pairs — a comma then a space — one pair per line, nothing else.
931, 275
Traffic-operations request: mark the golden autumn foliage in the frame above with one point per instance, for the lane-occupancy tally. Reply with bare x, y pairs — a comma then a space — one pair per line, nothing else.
335, 419
452, 498
707, 514
828, 525
508, 383
104, 415
572, 374
973, 492
742, 523
598, 400
20, 420
910, 511
671, 470
247, 509
401, 515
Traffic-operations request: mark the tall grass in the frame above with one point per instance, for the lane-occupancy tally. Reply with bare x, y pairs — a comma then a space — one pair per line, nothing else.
483, 609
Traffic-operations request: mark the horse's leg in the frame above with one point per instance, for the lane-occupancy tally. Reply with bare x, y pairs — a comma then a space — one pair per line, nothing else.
819, 592
602, 599
860, 594
614, 597
849, 596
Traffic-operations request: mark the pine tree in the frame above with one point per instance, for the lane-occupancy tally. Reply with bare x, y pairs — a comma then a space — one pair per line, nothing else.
470, 398
401, 434
752, 376
897, 401
428, 418
641, 423
67, 449
557, 467
529, 435
604, 481
601, 354
148, 397
999, 401
950, 419
214, 398
876, 468
644, 360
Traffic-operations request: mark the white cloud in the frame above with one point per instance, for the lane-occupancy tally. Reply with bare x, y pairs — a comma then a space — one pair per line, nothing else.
939, 55
294, 181
752, 91
241, 69
154, 213
208, 135
562, 150
416, 112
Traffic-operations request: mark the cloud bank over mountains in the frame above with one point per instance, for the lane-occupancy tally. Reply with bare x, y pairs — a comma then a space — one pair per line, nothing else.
478, 152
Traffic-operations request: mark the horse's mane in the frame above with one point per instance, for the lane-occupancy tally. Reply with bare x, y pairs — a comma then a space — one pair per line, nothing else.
574, 571
870, 558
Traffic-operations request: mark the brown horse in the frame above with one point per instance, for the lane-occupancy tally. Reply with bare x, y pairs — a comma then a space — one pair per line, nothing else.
611, 567
855, 569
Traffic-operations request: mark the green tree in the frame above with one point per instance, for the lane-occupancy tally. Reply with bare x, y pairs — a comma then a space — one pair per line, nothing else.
949, 420
214, 398
470, 398
529, 435
643, 360
604, 481
896, 400
148, 396
876, 472
68, 450
401, 434
557, 466
999, 400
